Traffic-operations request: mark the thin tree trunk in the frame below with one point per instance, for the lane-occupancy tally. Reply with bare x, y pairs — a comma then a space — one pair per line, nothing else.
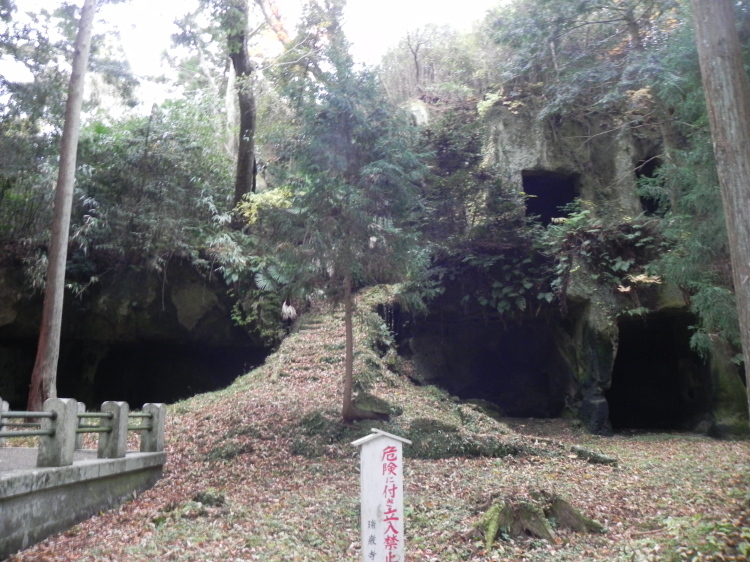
272, 16
44, 376
728, 99
415, 56
348, 409
232, 119
244, 69
634, 30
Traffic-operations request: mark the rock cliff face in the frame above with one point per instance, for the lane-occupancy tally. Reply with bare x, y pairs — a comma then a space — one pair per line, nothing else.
139, 336
593, 360
136, 336
599, 157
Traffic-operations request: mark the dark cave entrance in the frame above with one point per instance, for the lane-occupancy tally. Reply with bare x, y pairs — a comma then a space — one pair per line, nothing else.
135, 372
158, 372
658, 382
547, 192
517, 367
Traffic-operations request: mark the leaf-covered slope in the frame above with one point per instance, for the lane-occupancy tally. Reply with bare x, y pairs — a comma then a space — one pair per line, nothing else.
263, 470
304, 378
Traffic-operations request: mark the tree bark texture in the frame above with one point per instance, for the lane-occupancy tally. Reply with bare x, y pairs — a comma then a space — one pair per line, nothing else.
350, 412
244, 69
44, 376
728, 98
232, 119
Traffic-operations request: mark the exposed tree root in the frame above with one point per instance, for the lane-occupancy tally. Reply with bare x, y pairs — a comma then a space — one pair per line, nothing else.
592, 456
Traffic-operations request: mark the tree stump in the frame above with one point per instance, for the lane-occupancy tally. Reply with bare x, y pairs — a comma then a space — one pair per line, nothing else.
537, 516
565, 516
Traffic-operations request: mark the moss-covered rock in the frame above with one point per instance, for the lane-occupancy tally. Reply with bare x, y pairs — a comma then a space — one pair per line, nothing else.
210, 497
485, 406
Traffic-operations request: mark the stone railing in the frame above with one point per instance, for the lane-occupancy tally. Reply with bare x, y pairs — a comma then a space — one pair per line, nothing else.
37, 501
61, 425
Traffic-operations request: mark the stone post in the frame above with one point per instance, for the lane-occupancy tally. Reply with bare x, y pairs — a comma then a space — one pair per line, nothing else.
79, 436
113, 445
382, 488
152, 440
57, 449
4, 407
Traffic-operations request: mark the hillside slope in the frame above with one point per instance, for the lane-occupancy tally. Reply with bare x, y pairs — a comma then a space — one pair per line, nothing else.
263, 470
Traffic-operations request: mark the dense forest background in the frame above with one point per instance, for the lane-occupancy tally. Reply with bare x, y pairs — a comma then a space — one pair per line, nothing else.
301, 174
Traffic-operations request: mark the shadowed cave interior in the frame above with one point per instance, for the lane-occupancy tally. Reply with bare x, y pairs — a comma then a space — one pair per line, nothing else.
134, 372
547, 192
517, 367
658, 382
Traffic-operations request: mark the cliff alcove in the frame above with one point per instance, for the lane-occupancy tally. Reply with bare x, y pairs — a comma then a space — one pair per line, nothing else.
516, 366
141, 372
658, 382
648, 169
134, 338
134, 372
547, 192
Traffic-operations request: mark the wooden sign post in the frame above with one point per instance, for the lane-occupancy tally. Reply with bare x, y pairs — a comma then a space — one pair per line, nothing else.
382, 508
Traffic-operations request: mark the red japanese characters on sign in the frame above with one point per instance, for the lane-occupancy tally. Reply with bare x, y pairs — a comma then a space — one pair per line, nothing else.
381, 478
391, 515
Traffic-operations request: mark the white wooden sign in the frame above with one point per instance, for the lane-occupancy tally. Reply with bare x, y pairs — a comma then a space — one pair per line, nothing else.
382, 508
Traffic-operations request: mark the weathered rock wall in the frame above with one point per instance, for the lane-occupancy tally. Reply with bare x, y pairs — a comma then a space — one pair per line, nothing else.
603, 155
563, 363
137, 336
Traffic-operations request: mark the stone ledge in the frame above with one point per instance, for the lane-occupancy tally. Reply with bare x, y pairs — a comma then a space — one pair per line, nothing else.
26, 481
38, 502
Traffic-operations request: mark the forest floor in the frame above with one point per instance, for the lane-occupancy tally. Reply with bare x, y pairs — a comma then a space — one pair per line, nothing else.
264, 470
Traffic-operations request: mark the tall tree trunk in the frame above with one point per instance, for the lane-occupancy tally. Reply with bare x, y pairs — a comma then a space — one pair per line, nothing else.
244, 69
728, 99
44, 376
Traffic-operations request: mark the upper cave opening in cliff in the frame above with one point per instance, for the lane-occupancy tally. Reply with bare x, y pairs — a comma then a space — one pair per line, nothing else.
658, 382
517, 367
547, 193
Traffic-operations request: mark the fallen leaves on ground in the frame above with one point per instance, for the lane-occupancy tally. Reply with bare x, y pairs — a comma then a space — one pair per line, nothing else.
670, 496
